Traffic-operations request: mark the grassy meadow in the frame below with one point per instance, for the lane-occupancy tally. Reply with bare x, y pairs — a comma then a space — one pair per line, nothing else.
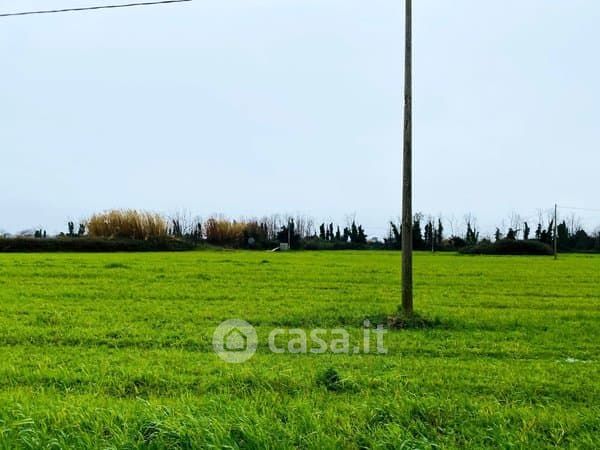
115, 351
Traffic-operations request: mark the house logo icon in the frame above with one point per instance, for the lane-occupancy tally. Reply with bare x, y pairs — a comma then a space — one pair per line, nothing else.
235, 341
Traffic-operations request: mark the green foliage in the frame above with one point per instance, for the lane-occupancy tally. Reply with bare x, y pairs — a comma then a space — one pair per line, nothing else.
576, 239
440, 233
422, 238
457, 243
429, 235
509, 247
417, 235
472, 236
395, 232
511, 235
498, 235
362, 236
289, 235
318, 244
526, 231
85, 244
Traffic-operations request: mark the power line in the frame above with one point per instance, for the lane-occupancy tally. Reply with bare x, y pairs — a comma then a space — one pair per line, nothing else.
92, 8
578, 209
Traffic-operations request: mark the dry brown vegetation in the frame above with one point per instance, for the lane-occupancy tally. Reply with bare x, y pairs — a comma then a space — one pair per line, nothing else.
229, 232
130, 224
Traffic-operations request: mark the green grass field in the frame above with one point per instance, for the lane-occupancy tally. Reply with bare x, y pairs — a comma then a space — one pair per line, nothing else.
115, 351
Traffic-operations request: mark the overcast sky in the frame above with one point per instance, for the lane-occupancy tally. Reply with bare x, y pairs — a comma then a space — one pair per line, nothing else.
250, 107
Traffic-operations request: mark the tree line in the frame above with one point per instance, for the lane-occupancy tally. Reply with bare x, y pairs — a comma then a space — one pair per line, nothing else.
303, 232
429, 235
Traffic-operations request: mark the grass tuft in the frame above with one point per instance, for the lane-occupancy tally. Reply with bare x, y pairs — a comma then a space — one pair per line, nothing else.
116, 265
330, 379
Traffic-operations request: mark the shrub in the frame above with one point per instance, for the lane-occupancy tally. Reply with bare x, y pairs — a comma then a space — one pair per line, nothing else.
127, 224
509, 247
256, 236
237, 234
86, 244
318, 244
456, 242
224, 232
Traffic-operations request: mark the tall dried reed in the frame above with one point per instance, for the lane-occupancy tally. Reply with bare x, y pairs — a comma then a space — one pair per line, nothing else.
223, 231
129, 224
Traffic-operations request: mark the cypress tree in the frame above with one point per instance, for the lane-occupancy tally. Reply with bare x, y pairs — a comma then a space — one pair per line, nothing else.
526, 231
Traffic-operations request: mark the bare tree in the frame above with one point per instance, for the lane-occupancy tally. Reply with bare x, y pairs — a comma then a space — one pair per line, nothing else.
516, 222
350, 219
549, 216
452, 223
541, 214
574, 223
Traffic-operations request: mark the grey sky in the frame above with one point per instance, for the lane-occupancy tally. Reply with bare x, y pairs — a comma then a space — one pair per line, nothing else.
250, 107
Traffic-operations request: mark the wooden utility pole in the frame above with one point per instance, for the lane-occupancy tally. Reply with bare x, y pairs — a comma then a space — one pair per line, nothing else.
407, 219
